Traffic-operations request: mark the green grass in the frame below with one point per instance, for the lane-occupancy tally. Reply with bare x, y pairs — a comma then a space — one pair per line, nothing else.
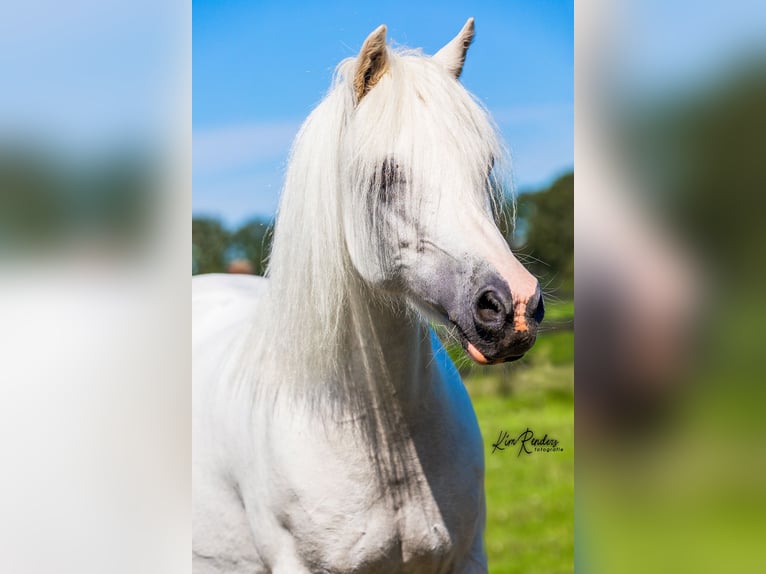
556, 348
530, 498
559, 310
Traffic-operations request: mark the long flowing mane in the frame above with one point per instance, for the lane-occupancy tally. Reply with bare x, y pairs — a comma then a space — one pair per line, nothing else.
317, 305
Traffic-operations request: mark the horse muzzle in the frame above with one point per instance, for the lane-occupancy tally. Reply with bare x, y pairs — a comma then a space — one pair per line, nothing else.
496, 326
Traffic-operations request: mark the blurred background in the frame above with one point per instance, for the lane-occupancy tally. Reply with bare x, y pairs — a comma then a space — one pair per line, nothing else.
670, 143
95, 194
259, 71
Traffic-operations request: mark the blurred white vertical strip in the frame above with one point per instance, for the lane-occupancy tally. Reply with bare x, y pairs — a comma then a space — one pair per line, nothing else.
94, 289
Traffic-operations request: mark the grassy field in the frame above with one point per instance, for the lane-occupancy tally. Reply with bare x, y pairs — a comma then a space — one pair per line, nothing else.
530, 497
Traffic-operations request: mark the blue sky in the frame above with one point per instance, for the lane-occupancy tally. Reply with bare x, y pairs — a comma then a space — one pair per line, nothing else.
259, 68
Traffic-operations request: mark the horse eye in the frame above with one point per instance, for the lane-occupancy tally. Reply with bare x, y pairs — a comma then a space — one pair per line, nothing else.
390, 176
388, 172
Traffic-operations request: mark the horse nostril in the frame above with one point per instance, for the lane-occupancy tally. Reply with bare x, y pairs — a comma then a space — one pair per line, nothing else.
539, 310
490, 308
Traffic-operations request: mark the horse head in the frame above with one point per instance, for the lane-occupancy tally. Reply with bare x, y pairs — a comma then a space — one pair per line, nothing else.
422, 169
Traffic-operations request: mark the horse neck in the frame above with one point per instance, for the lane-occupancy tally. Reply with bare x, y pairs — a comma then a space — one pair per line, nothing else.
390, 352
388, 377
381, 356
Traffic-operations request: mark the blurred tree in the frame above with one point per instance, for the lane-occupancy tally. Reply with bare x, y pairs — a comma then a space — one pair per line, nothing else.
209, 243
700, 155
49, 202
545, 233
252, 241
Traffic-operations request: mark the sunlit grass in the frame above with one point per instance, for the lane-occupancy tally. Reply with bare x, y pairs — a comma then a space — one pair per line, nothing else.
530, 498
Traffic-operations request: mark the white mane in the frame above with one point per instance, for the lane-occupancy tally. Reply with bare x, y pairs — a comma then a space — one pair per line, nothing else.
318, 305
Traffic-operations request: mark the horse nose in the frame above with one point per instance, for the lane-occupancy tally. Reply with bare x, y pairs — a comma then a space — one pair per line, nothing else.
493, 308
505, 327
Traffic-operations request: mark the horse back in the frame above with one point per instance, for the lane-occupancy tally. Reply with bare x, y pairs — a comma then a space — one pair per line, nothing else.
223, 306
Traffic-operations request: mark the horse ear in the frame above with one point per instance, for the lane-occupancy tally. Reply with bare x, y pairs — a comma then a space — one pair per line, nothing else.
452, 56
372, 62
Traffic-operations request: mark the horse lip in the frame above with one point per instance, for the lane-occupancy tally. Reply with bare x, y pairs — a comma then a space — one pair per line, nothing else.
476, 355
465, 342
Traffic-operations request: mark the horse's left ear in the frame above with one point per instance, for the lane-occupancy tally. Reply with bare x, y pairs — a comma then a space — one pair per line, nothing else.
372, 62
452, 56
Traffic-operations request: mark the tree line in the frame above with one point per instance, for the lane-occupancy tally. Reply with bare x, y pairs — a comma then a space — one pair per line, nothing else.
543, 238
